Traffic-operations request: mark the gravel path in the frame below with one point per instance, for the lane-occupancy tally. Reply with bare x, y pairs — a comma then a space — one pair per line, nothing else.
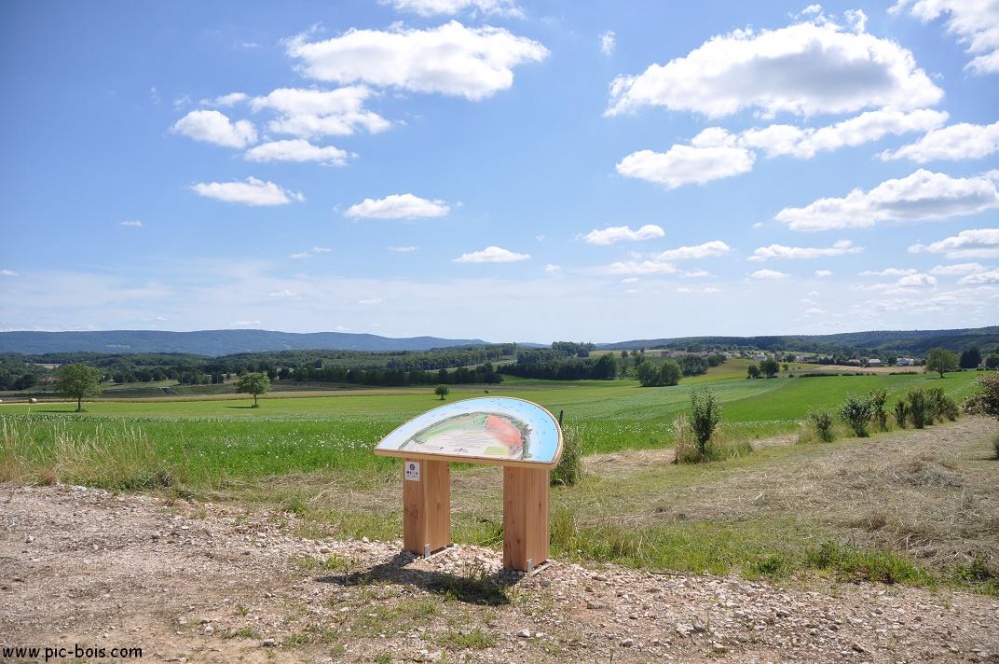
191, 582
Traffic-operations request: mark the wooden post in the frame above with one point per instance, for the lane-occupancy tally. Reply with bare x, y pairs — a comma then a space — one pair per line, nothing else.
525, 517
426, 506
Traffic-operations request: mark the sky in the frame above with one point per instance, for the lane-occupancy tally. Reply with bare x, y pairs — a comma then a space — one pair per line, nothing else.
506, 170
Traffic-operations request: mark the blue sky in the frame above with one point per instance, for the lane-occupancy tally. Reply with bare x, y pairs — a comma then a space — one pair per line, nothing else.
503, 170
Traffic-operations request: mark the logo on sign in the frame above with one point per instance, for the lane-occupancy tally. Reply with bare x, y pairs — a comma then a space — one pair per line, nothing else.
413, 471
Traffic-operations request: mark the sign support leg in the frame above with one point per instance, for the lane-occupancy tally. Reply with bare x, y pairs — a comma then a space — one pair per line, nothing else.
525, 517
426, 513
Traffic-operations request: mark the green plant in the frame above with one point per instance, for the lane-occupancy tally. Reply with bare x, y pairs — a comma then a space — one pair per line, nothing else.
857, 412
901, 413
570, 468
822, 422
919, 408
941, 406
705, 414
878, 399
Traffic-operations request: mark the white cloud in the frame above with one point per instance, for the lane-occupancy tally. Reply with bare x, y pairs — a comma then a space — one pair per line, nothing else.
705, 250
285, 294
297, 150
975, 243
370, 301
245, 323
974, 22
638, 267
553, 269
958, 269
707, 290
686, 164
922, 196
8, 273
769, 274
822, 274
890, 272
131, 223
804, 69
953, 143
251, 192
780, 251
492, 255
397, 206
230, 99
614, 234
215, 127
991, 277
310, 113
452, 7
402, 250
451, 59
608, 42
867, 127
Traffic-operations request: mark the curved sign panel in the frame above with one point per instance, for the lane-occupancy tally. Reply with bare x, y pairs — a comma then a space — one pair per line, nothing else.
497, 430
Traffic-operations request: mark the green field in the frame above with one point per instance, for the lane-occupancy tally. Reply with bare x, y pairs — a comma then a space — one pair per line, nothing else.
209, 442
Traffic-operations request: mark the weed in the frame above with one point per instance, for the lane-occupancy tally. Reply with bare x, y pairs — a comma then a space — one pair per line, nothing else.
569, 469
857, 412
822, 421
475, 639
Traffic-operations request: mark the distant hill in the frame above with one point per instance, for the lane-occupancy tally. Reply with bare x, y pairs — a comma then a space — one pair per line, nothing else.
211, 342
903, 342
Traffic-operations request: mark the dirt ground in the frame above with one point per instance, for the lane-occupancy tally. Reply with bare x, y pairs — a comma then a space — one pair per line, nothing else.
87, 571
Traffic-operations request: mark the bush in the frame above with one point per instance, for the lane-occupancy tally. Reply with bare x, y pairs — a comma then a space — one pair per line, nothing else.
878, 400
704, 416
941, 406
989, 395
857, 412
901, 413
822, 421
569, 469
919, 409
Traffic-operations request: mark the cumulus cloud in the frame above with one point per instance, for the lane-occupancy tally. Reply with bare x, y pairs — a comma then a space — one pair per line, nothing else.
8, 273
451, 59
398, 206
492, 254
130, 223
957, 270
953, 143
889, 272
990, 277
403, 250
216, 127
251, 192
974, 22
822, 274
907, 283
614, 234
308, 113
638, 267
608, 42
780, 251
686, 164
297, 150
805, 143
452, 7
230, 99
804, 69
705, 250
975, 243
769, 274
922, 196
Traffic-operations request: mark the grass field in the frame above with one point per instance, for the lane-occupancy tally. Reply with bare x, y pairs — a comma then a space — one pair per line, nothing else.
766, 514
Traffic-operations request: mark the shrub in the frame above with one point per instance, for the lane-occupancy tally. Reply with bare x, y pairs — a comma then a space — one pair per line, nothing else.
878, 400
989, 395
919, 409
822, 421
901, 413
941, 406
857, 412
569, 469
686, 449
704, 416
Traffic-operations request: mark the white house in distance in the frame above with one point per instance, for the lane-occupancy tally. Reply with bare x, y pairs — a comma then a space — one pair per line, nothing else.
905, 362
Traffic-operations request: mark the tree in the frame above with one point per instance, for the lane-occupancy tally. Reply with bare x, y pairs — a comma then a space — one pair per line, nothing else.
992, 361
769, 367
941, 360
704, 417
988, 398
753, 371
442, 391
78, 381
254, 383
970, 359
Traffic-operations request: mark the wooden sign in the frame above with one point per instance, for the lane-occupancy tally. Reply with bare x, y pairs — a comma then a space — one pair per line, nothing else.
519, 435
496, 430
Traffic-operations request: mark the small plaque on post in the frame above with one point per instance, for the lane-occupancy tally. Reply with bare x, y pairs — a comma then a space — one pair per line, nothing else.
413, 471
